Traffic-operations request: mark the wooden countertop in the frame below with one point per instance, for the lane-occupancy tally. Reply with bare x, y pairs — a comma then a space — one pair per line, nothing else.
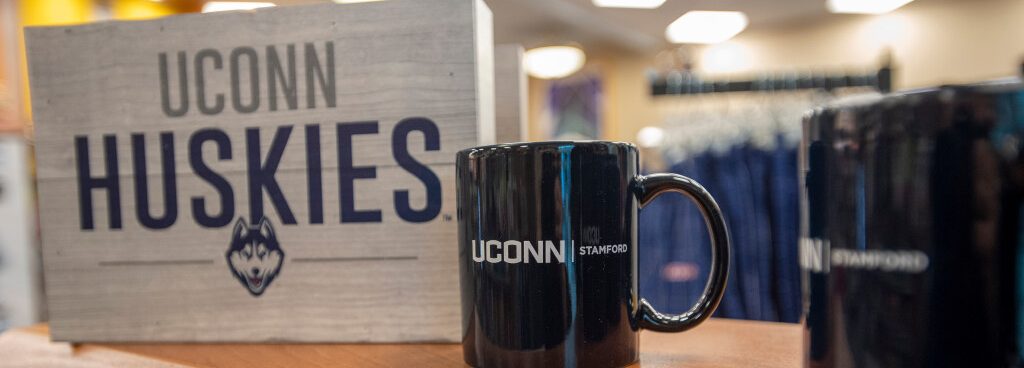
717, 343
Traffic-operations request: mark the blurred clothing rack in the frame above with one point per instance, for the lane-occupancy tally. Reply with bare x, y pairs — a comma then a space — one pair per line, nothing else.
688, 83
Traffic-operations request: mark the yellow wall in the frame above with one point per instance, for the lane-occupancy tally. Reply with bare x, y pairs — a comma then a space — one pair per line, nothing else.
47, 12
61, 12
139, 9
932, 42
8, 86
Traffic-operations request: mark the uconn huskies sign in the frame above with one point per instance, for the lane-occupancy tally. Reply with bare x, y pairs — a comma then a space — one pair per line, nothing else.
260, 163
284, 174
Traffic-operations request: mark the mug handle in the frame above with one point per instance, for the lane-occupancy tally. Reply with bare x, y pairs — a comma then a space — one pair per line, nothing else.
651, 186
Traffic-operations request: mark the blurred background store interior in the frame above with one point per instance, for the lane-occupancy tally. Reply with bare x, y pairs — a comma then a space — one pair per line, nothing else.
712, 89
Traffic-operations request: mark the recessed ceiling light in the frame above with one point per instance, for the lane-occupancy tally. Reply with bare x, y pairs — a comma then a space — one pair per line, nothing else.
649, 137
635, 4
218, 6
700, 26
865, 6
552, 62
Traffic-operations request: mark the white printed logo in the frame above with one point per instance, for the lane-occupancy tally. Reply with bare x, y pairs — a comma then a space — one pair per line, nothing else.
814, 254
817, 255
906, 261
543, 251
514, 251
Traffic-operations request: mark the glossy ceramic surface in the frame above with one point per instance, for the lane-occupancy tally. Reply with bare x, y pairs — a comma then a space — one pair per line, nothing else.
548, 258
912, 228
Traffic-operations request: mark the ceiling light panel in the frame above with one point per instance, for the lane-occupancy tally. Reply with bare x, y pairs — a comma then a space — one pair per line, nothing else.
553, 62
706, 27
865, 6
632, 4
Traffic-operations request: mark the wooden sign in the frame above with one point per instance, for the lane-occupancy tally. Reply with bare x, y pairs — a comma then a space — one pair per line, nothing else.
276, 175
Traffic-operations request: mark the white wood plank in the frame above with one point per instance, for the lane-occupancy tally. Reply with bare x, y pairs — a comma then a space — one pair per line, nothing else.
395, 280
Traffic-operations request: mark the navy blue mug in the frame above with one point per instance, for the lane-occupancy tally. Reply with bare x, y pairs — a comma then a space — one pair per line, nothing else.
913, 229
548, 258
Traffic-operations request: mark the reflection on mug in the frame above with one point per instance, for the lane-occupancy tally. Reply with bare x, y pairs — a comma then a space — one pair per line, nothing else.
911, 228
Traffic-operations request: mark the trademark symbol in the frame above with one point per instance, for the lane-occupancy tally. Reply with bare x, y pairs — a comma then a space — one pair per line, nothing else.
446, 217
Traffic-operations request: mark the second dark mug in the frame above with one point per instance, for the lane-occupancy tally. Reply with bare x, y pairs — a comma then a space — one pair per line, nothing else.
548, 258
912, 239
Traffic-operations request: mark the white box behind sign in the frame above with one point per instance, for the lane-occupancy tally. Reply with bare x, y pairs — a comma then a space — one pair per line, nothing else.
20, 284
337, 124
510, 108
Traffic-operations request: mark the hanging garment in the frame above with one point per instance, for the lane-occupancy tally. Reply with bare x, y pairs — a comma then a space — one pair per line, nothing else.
757, 191
759, 229
783, 183
742, 148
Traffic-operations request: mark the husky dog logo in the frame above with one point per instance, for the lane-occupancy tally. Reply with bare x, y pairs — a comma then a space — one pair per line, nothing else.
255, 257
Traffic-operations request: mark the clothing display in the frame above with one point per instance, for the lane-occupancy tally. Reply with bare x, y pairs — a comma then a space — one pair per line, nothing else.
744, 148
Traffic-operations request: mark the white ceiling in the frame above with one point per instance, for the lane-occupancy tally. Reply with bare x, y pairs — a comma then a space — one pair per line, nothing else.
534, 22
